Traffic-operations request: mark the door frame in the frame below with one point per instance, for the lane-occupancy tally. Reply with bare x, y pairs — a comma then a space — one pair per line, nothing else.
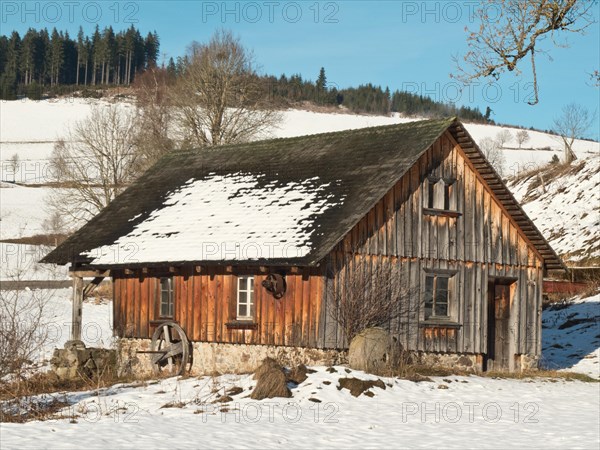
493, 341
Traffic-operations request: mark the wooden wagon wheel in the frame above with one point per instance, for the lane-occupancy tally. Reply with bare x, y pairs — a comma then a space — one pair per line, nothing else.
171, 349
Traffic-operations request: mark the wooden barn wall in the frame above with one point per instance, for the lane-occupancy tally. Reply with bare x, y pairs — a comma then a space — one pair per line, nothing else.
468, 305
206, 303
396, 225
480, 243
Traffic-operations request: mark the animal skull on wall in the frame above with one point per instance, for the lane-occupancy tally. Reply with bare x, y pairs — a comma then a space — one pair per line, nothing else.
275, 284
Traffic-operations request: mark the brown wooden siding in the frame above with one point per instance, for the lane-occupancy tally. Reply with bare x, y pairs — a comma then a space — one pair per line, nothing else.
205, 305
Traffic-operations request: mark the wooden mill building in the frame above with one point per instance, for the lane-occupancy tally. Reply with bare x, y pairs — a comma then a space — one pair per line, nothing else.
195, 237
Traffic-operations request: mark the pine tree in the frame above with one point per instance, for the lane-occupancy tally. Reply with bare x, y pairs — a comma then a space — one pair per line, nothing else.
321, 86
80, 52
151, 46
56, 56
171, 68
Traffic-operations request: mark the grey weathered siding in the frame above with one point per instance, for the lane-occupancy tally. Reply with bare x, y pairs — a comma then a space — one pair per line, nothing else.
482, 242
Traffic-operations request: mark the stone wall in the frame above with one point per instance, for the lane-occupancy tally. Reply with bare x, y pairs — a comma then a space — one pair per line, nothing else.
527, 362
213, 358
466, 362
75, 361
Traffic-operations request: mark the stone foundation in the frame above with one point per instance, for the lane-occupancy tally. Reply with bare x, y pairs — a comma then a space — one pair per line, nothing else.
463, 361
527, 362
214, 358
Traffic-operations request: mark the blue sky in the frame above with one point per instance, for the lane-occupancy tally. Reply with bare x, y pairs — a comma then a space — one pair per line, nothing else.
401, 44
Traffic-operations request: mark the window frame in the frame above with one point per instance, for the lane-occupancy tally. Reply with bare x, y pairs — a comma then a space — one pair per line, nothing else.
249, 301
171, 298
432, 298
441, 197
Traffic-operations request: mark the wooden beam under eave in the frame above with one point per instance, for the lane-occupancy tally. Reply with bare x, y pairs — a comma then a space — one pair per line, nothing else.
263, 269
89, 273
229, 269
198, 269
295, 269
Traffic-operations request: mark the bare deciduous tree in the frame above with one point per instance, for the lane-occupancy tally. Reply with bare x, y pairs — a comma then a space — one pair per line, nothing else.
493, 152
218, 99
95, 162
14, 165
503, 137
23, 327
512, 31
574, 121
370, 294
155, 137
522, 136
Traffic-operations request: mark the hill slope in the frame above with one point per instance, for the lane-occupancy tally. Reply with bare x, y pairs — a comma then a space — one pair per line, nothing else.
564, 202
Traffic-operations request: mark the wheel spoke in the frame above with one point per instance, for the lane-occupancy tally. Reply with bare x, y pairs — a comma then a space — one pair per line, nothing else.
167, 333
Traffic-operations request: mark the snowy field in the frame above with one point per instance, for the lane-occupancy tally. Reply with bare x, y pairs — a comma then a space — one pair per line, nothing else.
447, 412
33, 139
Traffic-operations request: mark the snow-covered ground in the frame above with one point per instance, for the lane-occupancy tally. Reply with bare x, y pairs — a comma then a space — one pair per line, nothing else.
566, 208
571, 337
19, 262
96, 329
23, 210
446, 412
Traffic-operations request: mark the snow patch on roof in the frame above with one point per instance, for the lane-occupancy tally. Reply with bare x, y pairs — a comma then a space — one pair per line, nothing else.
233, 217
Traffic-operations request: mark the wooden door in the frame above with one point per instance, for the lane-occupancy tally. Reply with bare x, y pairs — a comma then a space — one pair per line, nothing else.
498, 342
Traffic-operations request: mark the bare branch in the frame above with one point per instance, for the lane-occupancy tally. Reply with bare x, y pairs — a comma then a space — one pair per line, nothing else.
219, 98
370, 292
501, 43
573, 123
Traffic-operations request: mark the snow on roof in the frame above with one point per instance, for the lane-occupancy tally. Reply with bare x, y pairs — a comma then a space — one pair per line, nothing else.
231, 217
275, 202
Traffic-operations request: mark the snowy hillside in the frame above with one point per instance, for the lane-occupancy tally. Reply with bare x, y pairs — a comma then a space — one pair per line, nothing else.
571, 336
564, 203
30, 129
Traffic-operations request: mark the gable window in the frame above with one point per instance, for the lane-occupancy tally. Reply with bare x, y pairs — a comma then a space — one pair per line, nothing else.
438, 287
440, 196
166, 297
431, 192
245, 298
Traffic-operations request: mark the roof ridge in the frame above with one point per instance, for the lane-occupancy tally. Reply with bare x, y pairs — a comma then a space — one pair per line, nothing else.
368, 129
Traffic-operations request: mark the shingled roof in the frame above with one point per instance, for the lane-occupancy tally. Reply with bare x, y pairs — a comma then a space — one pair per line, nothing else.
276, 202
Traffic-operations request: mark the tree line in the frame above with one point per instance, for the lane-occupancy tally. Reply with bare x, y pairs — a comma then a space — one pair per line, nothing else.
287, 91
366, 98
43, 61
